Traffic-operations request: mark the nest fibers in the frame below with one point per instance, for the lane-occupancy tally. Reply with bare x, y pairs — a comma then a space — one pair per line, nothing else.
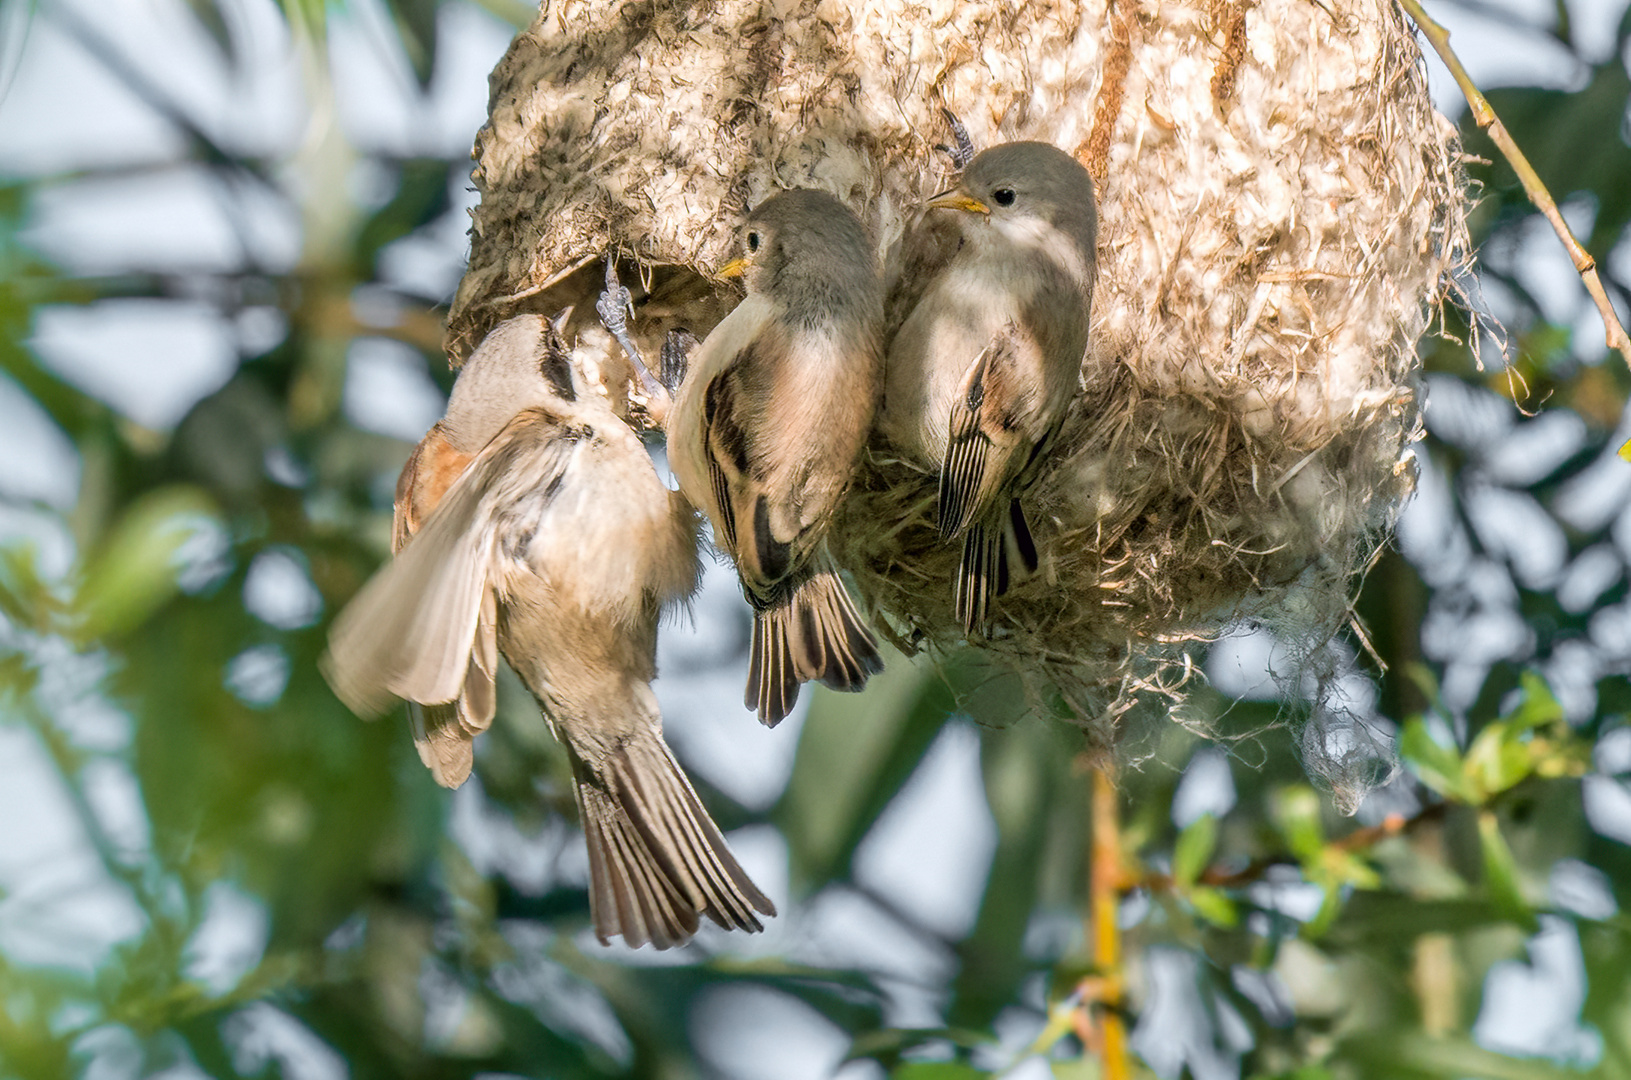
1280, 210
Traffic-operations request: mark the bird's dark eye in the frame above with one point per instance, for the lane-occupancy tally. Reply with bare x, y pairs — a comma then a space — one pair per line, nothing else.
1003, 196
753, 241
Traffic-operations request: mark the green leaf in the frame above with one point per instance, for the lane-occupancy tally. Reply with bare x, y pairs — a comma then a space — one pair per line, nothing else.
1439, 767
421, 196
133, 572
1028, 782
1214, 906
1397, 1051
1571, 139
25, 600
308, 19
1297, 813
416, 27
1422, 678
208, 14
1501, 872
1082, 1068
1323, 919
1496, 761
1194, 850
1538, 706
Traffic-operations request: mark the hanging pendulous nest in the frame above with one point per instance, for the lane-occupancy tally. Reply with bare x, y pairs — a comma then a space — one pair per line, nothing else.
1280, 208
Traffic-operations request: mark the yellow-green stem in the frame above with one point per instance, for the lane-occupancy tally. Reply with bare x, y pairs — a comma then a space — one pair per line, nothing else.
1104, 903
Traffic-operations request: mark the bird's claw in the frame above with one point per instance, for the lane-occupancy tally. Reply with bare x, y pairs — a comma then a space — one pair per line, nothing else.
614, 306
962, 152
675, 358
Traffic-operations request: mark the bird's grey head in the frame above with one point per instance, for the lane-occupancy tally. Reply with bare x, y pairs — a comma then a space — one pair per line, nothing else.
1020, 186
522, 362
527, 351
800, 235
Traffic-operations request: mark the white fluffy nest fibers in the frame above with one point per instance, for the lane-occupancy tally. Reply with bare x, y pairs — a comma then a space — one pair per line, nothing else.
1281, 209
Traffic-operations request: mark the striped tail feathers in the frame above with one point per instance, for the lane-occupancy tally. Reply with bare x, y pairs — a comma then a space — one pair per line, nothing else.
812, 631
996, 553
657, 861
835, 644
773, 680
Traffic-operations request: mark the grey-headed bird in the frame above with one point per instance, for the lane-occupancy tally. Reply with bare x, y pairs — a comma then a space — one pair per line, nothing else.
989, 306
530, 522
767, 430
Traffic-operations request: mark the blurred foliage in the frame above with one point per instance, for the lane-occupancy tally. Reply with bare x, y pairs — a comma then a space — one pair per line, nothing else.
1277, 939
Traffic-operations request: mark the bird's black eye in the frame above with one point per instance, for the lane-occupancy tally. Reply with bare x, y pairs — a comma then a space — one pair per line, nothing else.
1003, 196
753, 241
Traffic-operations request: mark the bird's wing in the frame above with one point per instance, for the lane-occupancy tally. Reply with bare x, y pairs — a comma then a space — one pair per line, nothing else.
431, 469
404, 521
412, 631
761, 557
726, 449
443, 733
989, 435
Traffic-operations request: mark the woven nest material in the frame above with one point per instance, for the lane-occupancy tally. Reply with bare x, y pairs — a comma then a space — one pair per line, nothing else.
1280, 209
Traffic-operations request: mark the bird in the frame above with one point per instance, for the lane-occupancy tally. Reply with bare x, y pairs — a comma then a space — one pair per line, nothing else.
531, 523
988, 299
768, 428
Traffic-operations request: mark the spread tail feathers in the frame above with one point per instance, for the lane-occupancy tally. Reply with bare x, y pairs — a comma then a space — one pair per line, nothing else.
994, 554
814, 632
656, 859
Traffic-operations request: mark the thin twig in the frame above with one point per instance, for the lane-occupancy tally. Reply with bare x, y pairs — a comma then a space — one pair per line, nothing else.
1484, 116
1355, 843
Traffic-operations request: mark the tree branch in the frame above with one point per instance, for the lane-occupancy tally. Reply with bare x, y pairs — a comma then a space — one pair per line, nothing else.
1484, 116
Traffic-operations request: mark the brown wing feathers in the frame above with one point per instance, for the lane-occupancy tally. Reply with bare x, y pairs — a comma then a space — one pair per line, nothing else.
805, 627
978, 497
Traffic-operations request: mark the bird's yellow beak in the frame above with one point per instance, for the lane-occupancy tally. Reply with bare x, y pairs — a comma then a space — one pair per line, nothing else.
734, 268
956, 200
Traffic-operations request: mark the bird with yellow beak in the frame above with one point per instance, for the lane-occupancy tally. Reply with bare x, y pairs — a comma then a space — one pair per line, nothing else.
988, 301
768, 427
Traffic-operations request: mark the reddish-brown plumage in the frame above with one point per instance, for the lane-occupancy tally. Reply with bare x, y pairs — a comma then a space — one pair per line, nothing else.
430, 470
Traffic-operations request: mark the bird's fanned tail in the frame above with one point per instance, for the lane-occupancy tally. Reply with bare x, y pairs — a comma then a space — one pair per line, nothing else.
836, 646
814, 632
657, 861
995, 554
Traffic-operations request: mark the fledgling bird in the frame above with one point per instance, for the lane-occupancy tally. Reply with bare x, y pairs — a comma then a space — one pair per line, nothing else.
989, 311
530, 522
768, 427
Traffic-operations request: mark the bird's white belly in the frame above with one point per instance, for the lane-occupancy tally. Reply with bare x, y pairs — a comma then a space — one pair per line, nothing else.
932, 354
